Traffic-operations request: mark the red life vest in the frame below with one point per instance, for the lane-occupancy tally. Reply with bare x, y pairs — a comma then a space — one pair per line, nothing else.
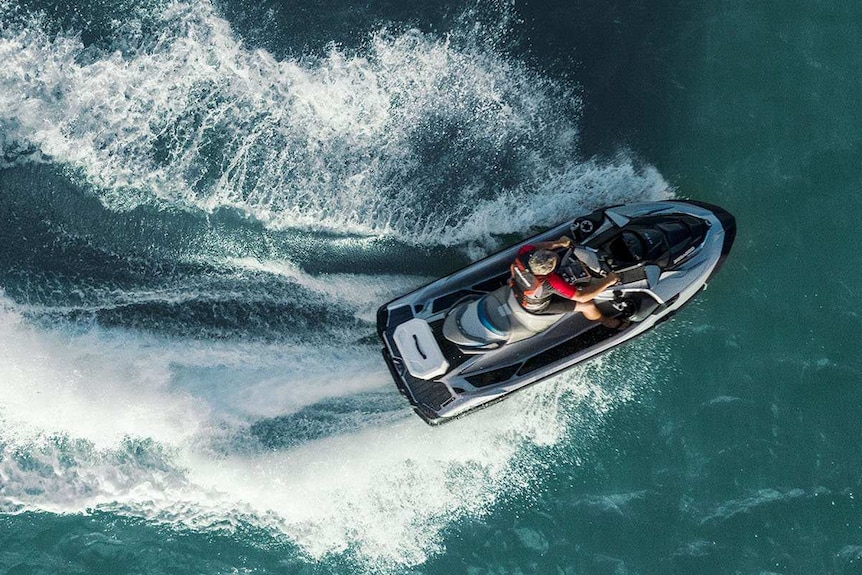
531, 291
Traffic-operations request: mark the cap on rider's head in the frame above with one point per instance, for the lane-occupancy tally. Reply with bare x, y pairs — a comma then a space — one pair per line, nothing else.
542, 262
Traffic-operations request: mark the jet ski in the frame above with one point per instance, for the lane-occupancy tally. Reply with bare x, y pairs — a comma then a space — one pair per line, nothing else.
464, 342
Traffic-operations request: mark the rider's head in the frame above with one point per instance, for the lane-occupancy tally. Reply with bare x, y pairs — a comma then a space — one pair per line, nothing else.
543, 262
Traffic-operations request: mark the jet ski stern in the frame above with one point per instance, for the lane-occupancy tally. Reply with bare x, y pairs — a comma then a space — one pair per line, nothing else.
420, 352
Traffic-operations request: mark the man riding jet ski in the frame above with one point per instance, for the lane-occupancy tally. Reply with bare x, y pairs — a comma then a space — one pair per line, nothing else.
536, 282
473, 337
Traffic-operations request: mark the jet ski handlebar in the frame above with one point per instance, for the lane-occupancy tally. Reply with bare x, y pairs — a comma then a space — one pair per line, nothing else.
579, 265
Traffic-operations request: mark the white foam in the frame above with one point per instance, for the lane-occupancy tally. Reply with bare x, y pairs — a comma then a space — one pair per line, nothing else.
137, 425
51, 384
197, 119
363, 292
330, 144
578, 189
387, 492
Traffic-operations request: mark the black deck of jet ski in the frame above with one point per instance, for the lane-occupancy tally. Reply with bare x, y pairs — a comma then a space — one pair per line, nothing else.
545, 354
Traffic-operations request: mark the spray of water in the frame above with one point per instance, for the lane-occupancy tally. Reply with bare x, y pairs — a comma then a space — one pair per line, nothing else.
425, 138
158, 429
428, 139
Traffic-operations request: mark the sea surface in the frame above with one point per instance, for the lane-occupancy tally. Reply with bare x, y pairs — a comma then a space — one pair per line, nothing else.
203, 202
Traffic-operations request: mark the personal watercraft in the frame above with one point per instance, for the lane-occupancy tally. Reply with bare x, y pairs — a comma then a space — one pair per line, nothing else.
463, 341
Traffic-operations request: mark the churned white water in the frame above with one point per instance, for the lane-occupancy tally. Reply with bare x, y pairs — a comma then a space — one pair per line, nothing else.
158, 426
140, 426
412, 138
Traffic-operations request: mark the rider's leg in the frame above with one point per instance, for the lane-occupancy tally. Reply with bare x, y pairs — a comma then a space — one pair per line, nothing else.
589, 310
561, 305
593, 313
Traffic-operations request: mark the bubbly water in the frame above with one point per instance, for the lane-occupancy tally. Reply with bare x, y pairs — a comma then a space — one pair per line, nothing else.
202, 207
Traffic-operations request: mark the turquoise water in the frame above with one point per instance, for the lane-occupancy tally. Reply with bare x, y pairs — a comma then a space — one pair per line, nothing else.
203, 204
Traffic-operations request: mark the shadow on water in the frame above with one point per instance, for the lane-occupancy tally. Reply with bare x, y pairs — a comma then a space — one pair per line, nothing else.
329, 417
42, 196
65, 256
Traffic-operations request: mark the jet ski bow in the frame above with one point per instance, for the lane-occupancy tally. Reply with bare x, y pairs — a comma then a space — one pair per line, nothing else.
463, 342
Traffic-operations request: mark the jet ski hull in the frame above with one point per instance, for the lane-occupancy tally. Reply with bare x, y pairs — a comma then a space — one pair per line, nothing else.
668, 253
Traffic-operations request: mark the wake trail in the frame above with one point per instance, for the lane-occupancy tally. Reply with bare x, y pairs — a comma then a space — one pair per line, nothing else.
161, 429
421, 138
431, 140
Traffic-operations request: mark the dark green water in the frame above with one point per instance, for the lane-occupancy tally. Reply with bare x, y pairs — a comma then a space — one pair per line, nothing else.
201, 207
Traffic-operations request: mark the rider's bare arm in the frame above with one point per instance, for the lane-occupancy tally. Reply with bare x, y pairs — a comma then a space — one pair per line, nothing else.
590, 292
563, 242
